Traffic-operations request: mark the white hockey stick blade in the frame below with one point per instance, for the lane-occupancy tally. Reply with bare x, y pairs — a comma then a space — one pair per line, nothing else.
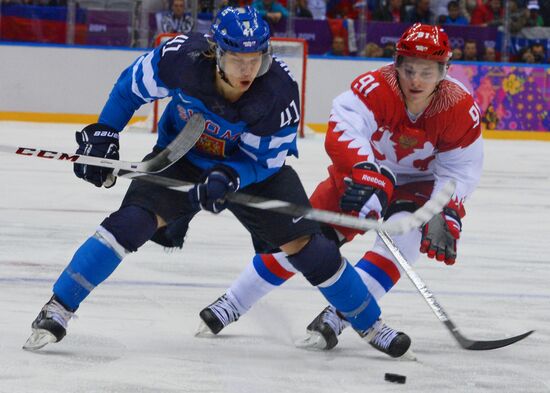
185, 140
39, 339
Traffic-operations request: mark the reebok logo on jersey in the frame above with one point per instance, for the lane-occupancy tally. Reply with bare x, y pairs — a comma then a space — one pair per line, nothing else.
110, 134
373, 180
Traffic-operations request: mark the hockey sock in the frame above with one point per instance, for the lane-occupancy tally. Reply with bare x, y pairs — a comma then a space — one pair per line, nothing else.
378, 273
347, 292
92, 263
264, 274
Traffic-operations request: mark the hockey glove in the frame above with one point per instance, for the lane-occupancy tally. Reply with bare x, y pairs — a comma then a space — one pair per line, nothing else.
440, 234
98, 140
369, 190
210, 194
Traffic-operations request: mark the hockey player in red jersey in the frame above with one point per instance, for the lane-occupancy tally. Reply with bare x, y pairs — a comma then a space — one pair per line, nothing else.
395, 138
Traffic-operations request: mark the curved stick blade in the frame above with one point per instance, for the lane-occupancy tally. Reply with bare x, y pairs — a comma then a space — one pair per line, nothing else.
488, 345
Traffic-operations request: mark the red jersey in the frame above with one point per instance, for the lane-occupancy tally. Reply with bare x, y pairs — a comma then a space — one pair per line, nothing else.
370, 122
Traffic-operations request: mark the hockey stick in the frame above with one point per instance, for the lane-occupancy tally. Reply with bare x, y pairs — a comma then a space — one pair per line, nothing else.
144, 171
185, 140
466, 343
418, 218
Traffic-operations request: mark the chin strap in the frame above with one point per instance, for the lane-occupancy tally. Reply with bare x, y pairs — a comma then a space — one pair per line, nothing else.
222, 75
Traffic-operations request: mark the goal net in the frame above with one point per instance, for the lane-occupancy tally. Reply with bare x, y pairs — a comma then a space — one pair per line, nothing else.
292, 51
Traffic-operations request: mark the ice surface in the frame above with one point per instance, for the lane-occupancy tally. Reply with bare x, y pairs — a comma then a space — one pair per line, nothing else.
135, 332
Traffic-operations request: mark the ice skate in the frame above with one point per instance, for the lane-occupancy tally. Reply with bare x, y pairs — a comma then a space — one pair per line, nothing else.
323, 331
217, 316
50, 326
389, 341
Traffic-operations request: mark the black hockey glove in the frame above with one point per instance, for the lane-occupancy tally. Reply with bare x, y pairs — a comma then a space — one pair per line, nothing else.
98, 140
440, 234
369, 190
210, 194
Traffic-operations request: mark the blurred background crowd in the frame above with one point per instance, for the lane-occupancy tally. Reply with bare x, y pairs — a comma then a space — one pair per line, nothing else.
480, 30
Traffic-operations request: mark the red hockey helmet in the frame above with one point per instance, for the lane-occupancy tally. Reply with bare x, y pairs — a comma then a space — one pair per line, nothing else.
425, 41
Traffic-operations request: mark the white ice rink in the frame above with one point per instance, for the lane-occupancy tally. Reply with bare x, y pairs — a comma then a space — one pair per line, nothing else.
135, 333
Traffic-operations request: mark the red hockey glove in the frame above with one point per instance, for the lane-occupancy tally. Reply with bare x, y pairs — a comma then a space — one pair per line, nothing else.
439, 236
369, 190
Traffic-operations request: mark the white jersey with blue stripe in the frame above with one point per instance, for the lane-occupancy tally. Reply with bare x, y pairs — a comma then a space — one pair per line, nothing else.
253, 135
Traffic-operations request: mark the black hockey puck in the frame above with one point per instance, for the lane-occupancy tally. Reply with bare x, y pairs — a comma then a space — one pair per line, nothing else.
395, 378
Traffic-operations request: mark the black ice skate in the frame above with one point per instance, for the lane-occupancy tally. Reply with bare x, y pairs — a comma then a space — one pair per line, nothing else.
50, 325
387, 340
217, 316
323, 331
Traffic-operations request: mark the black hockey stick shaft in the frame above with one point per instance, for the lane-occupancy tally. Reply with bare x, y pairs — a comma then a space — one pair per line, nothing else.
419, 217
435, 306
185, 140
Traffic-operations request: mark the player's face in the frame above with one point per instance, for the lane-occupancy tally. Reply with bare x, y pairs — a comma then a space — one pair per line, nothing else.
418, 78
241, 68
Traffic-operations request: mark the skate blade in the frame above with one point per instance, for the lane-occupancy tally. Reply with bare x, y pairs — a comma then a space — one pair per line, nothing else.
408, 356
39, 339
204, 331
314, 341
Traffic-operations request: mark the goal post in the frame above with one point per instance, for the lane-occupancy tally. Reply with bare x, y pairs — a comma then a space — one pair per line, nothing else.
293, 51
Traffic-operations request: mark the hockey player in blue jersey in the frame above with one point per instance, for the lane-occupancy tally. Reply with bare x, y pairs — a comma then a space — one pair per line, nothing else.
250, 103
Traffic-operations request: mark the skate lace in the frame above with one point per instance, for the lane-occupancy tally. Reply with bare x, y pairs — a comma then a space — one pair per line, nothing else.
381, 335
331, 318
58, 313
225, 310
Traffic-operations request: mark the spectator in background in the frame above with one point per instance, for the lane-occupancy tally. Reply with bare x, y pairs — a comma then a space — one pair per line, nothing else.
527, 56
338, 47
467, 7
534, 19
318, 8
372, 50
457, 54
538, 52
301, 10
390, 11
420, 13
177, 20
389, 50
338, 9
470, 51
518, 16
439, 8
490, 14
271, 11
489, 54
454, 16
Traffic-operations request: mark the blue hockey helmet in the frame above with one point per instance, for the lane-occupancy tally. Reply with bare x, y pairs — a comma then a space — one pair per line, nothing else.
240, 30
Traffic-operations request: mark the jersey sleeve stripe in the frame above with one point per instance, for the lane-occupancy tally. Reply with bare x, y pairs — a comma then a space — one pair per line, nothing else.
278, 161
278, 141
153, 89
249, 154
135, 71
251, 140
